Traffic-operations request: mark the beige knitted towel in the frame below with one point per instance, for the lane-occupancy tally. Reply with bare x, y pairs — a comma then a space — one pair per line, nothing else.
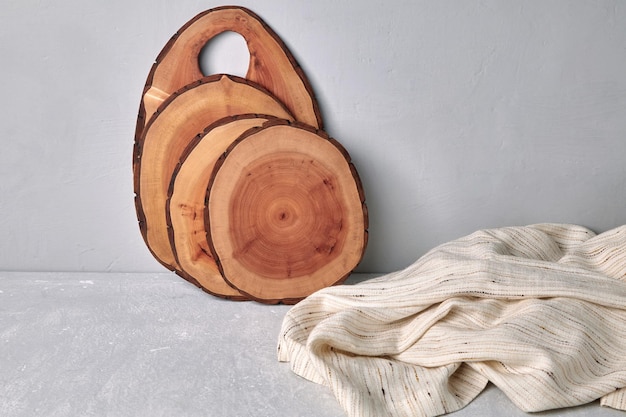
540, 311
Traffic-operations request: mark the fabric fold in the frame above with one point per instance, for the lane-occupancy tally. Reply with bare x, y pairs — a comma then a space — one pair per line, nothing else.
540, 311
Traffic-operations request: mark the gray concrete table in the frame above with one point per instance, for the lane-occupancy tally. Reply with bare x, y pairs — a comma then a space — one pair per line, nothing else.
109, 344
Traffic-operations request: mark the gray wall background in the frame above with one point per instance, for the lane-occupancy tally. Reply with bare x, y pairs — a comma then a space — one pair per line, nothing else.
459, 115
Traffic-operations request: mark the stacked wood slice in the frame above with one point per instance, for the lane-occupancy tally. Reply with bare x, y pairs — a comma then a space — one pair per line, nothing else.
238, 188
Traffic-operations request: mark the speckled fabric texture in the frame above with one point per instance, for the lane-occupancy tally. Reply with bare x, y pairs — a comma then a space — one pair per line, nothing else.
540, 311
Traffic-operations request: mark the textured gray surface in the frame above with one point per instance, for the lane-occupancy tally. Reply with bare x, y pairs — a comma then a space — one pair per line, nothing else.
98, 344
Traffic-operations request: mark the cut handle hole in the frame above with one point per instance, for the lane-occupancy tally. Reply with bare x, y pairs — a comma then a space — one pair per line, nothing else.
226, 53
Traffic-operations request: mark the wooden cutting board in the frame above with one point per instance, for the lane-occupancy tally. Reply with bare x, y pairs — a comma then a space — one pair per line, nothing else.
286, 213
238, 189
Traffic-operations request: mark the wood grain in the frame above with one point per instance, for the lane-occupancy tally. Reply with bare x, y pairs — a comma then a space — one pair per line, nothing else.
271, 63
180, 119
238, 190
186, 204
285, 213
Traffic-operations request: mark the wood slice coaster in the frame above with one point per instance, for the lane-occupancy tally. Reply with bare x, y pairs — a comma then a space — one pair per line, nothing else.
171, 130
285, 213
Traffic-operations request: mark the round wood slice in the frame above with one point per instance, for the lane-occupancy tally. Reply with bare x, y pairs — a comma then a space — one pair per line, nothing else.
285, 213
271, 64
164, 141
186, 204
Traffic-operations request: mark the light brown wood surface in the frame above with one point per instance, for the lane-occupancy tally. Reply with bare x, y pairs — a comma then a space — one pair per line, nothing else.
237, 188
271, 63
186, 204
182, 117
286, 213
